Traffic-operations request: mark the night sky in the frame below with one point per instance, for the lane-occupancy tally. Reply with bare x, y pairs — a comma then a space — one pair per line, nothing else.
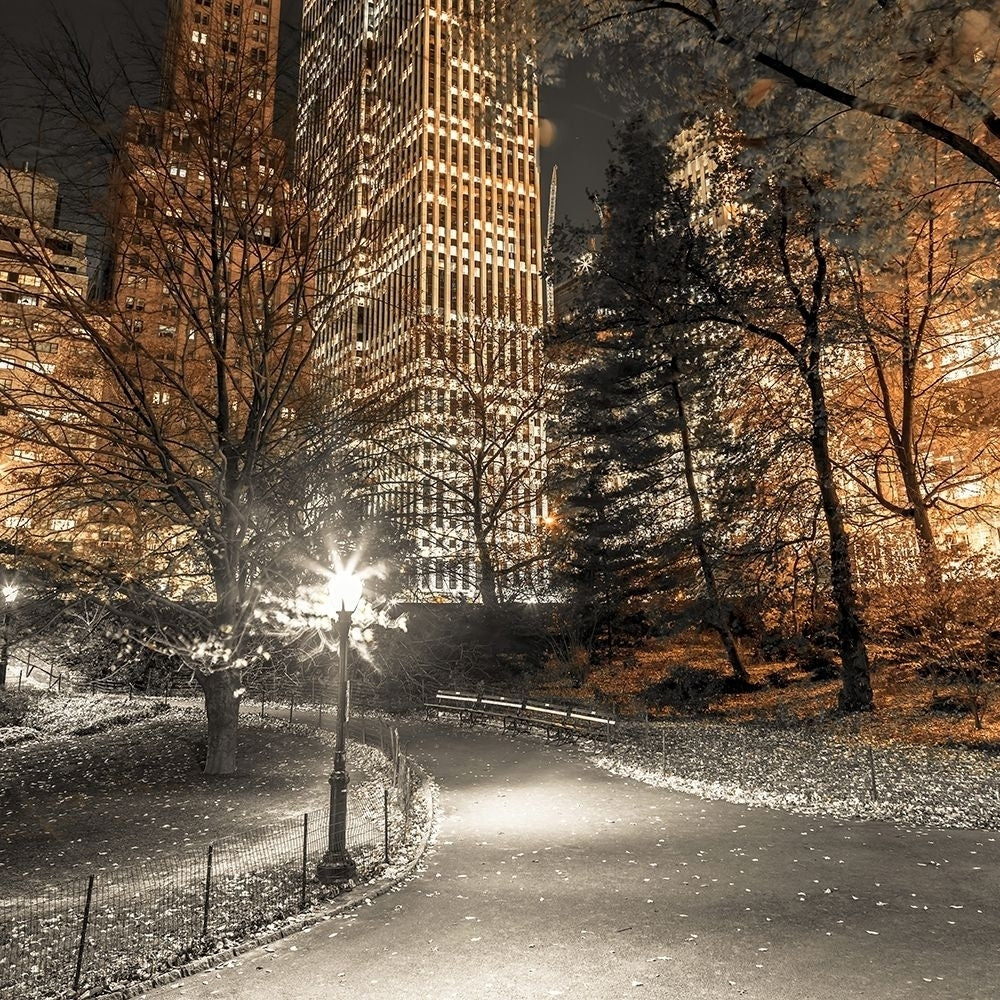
581, 120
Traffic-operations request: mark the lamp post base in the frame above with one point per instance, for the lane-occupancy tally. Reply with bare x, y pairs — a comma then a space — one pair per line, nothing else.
336, 868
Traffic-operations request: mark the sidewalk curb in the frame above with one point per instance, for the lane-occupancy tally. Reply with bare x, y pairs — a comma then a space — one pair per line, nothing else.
296, 923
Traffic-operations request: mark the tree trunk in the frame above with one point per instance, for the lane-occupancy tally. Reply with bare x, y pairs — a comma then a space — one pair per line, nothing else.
922, 526
222, 706
488, 590
718, 618
856, 688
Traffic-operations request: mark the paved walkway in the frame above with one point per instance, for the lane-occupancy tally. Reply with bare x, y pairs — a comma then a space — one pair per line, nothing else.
551, 878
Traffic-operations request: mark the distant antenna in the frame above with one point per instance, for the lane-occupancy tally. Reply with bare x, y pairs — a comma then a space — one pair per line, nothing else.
549, 231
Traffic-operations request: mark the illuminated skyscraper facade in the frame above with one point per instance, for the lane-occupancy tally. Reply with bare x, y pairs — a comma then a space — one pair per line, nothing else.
418, 128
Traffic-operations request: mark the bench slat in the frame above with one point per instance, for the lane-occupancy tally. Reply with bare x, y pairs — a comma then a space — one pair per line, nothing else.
551, 718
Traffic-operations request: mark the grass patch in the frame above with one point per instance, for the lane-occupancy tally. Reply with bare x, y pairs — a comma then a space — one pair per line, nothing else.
72, 805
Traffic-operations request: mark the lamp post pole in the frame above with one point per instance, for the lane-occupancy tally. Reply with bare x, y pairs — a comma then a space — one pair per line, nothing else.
337, 865
4, 647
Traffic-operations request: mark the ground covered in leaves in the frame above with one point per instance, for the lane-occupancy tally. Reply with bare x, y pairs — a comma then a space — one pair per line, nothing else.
919, 758
74, 801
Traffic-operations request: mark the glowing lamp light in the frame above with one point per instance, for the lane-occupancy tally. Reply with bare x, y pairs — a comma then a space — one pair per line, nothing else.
344, 591
9, 593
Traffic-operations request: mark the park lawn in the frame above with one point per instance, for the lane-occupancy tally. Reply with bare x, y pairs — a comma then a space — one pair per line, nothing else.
787, 697
77, 804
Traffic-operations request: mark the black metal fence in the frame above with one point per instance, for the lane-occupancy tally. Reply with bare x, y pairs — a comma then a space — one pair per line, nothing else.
126, 924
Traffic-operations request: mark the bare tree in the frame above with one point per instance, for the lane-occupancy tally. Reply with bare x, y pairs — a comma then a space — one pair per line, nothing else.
482, 415
775, 287
178, 435
921, 444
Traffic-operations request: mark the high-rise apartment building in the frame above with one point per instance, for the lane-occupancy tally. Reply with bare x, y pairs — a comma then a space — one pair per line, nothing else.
43, 281
206, 156
417, 132
208, 280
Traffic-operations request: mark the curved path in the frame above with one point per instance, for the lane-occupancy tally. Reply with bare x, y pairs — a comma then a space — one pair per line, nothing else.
550, 877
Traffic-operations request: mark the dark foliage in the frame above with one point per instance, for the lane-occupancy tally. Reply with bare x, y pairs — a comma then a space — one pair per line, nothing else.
819, 663
456, 646
690, 689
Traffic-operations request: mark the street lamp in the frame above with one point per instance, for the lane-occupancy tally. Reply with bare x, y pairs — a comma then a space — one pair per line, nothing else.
9, 594
337, 866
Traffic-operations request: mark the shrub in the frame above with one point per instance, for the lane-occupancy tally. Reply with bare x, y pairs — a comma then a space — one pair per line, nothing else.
820, 664
775, 646
686, 689
14, 706
950, 704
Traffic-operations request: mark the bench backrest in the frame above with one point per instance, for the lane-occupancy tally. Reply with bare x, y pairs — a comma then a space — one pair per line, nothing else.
565, 712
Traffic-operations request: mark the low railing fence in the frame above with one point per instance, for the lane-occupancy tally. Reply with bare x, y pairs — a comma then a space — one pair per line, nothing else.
264, 693
94, 934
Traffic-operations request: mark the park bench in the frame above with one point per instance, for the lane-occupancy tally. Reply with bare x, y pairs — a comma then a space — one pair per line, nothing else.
554, 720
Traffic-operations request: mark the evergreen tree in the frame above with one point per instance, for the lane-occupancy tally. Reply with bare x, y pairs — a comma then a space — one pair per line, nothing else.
638, 401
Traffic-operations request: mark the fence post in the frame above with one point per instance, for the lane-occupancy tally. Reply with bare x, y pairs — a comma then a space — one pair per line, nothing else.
663, 752
312, 690
871, 771
291, 708
305, 854
208, 893
320, 723
385, 817
262, 701
83, 935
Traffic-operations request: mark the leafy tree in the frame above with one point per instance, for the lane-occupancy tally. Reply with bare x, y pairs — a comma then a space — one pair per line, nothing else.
782, 68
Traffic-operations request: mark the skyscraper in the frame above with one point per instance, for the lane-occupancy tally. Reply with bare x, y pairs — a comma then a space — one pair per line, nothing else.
417, 129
